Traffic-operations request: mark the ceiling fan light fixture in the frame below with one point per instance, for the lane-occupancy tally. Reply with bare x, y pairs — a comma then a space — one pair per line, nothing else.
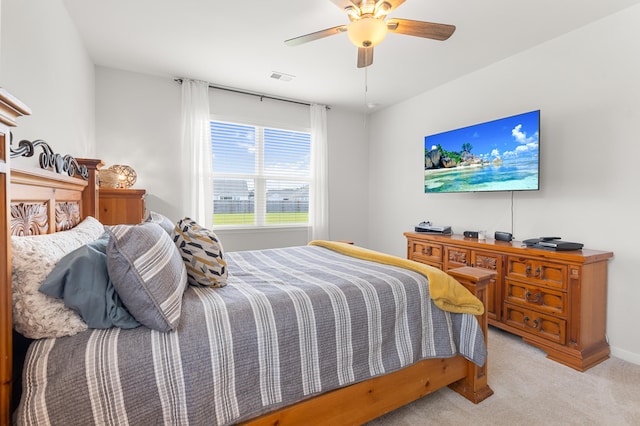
367, 31
352, 12
382, 10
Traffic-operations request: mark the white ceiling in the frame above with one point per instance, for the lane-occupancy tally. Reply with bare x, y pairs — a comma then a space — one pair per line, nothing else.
238, 44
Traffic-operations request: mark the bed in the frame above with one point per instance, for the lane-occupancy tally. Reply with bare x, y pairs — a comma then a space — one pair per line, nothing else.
327, 333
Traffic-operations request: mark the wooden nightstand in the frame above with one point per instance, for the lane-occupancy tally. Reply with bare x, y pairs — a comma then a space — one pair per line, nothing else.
121, 206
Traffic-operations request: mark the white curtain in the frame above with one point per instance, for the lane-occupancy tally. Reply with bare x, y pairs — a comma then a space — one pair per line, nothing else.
196, 153
319, 193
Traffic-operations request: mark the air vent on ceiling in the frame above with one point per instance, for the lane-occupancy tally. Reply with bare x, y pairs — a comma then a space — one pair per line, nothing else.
281, 76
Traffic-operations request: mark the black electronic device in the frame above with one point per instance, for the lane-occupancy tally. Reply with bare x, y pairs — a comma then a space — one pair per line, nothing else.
503, 236
534, 241
559, 245
552, 243
470, 234
427, 227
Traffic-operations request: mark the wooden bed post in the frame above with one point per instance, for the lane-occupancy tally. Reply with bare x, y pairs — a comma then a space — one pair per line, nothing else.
10, 109
90, 202
474, 387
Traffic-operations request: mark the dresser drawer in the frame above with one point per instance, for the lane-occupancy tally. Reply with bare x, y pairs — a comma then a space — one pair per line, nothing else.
543, 325
455, 257
426, 252
121, 206
547, 274
486, 260
539, 298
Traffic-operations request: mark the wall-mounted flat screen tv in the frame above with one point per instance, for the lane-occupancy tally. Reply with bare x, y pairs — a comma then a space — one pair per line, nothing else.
499, 155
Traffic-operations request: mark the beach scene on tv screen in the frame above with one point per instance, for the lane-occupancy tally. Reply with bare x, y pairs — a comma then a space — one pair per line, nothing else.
499, 155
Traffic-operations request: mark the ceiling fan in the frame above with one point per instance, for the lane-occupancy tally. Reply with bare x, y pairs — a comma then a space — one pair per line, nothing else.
368, 27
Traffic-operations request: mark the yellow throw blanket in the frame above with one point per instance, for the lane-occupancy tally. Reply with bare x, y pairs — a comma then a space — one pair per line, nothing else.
446, 292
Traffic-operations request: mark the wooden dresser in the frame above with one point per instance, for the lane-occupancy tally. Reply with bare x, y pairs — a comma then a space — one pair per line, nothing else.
121, 206
554, 300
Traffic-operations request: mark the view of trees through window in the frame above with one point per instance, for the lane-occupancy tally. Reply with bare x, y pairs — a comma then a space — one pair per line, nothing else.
261, 175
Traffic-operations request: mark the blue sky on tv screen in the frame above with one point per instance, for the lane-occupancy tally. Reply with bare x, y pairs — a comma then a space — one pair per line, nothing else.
509, 137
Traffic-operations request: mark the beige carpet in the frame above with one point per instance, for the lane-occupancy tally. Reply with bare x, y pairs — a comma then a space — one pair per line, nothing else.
530, 389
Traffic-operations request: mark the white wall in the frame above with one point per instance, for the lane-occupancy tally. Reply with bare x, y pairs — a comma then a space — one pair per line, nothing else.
45, 65
0, 40
587, 86
348, 177
138, 123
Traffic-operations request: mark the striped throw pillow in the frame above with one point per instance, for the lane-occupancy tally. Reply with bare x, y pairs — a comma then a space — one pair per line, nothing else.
202, 253
148, 273
164, 222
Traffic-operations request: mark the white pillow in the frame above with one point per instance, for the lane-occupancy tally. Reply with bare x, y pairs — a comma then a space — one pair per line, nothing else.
36, 315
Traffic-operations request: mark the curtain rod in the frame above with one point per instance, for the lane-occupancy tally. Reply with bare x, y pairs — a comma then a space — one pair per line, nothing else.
261, 96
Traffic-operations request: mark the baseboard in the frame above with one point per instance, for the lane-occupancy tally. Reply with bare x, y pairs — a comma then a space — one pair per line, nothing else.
625, 355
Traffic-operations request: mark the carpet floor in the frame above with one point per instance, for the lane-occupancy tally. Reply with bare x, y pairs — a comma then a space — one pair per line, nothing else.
530, 389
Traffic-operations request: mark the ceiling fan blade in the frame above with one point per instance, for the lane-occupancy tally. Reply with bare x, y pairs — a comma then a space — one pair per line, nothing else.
420, 28
365, 56
315, 36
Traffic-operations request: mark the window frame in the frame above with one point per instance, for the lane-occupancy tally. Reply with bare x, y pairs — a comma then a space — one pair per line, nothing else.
260, 179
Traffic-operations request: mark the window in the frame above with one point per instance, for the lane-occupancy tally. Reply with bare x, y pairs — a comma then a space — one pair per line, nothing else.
261, 175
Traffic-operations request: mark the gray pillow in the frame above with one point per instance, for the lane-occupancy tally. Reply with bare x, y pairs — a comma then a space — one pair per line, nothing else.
148, 273
164, 222
81, 280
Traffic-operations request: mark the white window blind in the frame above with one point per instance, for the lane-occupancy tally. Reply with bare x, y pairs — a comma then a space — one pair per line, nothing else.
261, 175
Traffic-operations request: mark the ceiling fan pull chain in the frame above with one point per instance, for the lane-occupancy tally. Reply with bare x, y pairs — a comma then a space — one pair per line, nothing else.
366, 86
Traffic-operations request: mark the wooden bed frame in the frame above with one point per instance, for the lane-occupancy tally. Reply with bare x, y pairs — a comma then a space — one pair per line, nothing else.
36, 201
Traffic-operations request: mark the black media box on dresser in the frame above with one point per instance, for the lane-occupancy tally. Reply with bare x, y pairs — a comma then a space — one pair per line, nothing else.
554, 300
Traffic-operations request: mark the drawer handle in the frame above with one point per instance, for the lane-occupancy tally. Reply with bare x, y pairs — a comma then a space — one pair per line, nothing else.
426, 251
529, 274
528, 298
535, 323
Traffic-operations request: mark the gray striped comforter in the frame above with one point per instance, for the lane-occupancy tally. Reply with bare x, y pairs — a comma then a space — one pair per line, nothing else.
291, 323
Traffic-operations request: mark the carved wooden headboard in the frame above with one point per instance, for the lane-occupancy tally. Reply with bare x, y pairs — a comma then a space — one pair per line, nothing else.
43, 202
